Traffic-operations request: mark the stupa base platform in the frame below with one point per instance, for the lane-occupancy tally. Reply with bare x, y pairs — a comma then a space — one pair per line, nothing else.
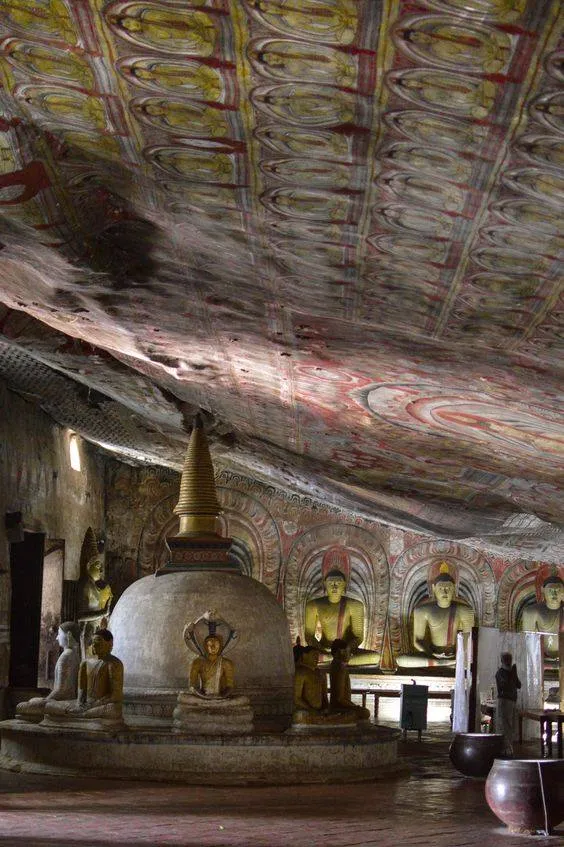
272, 710
147, 751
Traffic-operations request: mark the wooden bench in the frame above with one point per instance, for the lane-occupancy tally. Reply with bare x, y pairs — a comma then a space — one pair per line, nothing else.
378, 693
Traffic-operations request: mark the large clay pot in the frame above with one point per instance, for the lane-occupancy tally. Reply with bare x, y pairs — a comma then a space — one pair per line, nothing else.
527, 794
473, 753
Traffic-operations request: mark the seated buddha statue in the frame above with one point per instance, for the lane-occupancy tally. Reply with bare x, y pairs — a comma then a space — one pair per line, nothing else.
100, 689
340, 691
337, 616
95, 594
212, 675
210, 705
436, 623
547, 616
66, 675
310, 687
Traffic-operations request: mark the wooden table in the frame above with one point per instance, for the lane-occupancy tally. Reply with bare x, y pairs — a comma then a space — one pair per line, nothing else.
545, 717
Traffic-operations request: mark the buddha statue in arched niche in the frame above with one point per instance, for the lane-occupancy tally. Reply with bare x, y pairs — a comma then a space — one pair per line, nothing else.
546, 615
436, 621
336, 615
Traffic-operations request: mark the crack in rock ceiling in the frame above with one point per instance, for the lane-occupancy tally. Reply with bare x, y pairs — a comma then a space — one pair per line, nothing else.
333, 225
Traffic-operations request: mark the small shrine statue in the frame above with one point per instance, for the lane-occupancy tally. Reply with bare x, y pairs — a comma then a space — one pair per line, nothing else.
436, 622
100, 690
310, 687
212, 675
209, 705
336, 615
66, 675
547, 616
95, 595
340, 692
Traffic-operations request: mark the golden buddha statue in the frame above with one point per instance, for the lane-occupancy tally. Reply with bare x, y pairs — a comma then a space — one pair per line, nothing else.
212, 675
548, 615
100, 689
95, 594
310, 687
210, 706
337, 616
436, 623
340, 692
66, 675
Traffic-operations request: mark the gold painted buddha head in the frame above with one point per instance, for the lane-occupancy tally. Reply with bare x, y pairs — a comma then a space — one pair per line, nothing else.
335, 585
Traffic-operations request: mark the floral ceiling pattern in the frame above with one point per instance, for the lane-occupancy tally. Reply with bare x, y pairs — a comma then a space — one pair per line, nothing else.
334, 225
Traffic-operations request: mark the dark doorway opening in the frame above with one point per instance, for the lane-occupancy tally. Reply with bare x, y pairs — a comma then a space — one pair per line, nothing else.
26, 569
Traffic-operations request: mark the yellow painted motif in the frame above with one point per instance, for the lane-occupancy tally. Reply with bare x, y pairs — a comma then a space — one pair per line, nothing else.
209, 196
303, 142
178, 116
315, 173
49, 62
458, 46
306, 104
427, 191
51, 17
502, 11
304, 203
181, 31
7, 158
323, 20
283, 60
197, 165
65, 104
191, 78
447, 92
84, 144
429, 160
436, 130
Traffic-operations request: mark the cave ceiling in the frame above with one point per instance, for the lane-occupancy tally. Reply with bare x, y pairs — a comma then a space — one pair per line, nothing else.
332, 225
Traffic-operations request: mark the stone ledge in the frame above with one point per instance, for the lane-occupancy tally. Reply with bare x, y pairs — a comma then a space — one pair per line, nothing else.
157, 754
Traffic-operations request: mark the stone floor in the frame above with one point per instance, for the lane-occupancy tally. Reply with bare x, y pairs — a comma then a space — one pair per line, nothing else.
432, 806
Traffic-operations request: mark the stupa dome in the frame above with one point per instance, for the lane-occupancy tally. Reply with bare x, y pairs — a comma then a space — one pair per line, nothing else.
148, 622
149, 619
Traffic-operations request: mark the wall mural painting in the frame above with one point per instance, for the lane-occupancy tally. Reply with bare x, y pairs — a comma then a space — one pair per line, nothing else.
468, 416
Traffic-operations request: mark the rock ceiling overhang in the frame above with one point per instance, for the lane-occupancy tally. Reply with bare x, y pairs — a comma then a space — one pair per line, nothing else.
332, 224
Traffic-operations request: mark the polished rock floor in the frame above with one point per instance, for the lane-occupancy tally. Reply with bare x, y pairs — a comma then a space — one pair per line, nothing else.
432, 805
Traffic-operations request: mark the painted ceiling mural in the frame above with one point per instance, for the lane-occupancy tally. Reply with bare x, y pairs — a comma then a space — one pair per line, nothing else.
334, 225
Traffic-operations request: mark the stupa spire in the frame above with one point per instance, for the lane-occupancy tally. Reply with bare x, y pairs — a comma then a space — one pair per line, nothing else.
198, 545
198, 507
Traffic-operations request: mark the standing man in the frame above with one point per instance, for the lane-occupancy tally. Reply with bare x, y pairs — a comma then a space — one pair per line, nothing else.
508, 684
